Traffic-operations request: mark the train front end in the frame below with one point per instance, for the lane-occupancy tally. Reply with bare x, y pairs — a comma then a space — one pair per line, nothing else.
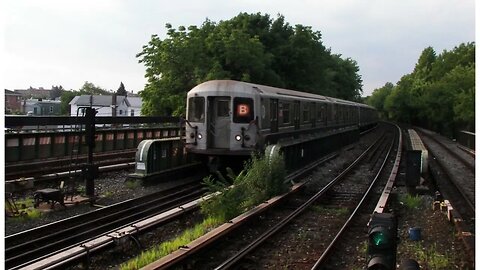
221, 120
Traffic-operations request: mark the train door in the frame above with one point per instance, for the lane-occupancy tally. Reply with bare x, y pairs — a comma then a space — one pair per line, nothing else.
296, 114
273, 115
219, 122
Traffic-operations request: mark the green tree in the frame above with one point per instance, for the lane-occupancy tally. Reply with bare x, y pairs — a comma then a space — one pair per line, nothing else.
345, 83
462, 55
439, 94
378, 98
56, 92
65, 99
423, 68
121, 90
89, 88
248, 47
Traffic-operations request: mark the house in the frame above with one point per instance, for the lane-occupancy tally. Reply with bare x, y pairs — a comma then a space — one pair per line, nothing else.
135, 108
34, 93
106, 105
40, 107
13, 102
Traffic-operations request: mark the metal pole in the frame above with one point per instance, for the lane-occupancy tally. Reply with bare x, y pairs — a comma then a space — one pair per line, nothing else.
90, 169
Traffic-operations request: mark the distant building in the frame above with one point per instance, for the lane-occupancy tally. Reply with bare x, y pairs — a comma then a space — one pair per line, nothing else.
13, 102
34, 93
135, 108
40, 107
106, 105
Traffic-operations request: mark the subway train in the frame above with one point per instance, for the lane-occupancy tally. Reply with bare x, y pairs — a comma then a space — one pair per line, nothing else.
226, 117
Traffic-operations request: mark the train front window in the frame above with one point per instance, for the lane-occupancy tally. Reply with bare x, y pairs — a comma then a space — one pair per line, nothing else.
223, 108
196, 109
243, 110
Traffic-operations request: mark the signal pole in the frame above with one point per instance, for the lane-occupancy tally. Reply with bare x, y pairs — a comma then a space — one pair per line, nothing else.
90, 170
382, 242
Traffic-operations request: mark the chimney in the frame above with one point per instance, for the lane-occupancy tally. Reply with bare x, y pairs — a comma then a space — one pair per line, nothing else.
114, 105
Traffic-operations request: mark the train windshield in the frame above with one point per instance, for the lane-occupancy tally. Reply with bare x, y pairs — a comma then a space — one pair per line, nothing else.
196, 109
243, 110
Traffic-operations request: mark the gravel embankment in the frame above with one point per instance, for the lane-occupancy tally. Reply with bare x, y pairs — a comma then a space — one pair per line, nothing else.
109, 187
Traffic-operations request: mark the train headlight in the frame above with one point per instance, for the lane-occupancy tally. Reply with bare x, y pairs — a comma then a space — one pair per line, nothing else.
192, 135
238, 137
200, 136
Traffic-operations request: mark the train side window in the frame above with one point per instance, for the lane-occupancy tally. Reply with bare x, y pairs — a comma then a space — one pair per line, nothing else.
243, 110
196, 109
306, 113
286, 113
312, 111
321, 112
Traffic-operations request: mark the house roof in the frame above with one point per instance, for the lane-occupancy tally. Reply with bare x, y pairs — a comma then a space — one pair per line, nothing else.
135, 102
11, 93
39, 102
97, 100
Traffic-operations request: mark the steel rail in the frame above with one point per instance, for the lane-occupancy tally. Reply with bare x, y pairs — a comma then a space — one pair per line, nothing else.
59, 175
321, 261
458, 188
58, 166
467, 150
461, 216
76, 252
202, 242
241, 254
59, 238
19, 165
450, 151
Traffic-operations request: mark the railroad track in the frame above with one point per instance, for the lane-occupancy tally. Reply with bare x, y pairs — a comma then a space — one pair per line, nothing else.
23, 249
39, 168
335, 197
467, 159
280, 217
347, 197
453, 173
459, 169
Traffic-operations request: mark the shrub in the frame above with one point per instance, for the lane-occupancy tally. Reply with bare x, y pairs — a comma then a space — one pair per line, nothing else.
261, 179
411, 202
225, 205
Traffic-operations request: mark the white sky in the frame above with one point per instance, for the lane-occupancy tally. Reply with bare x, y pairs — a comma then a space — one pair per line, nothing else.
57, 42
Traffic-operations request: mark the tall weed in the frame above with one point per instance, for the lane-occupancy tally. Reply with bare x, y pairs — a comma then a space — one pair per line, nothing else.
261, 179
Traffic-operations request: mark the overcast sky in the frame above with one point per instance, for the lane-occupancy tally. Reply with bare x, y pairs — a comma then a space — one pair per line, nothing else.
58, 42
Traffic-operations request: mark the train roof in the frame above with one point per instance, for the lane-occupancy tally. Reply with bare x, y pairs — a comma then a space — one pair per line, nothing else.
218, 85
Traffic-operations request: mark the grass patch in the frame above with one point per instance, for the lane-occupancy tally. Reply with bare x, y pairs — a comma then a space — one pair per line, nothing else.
26, 209
80, 190
431, 257
411, 202
363, 248
30, 213
132, 184
168, 247
261, 179
107, 194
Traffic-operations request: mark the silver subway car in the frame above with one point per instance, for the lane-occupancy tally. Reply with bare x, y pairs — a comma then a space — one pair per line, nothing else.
221, 118
233, 118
